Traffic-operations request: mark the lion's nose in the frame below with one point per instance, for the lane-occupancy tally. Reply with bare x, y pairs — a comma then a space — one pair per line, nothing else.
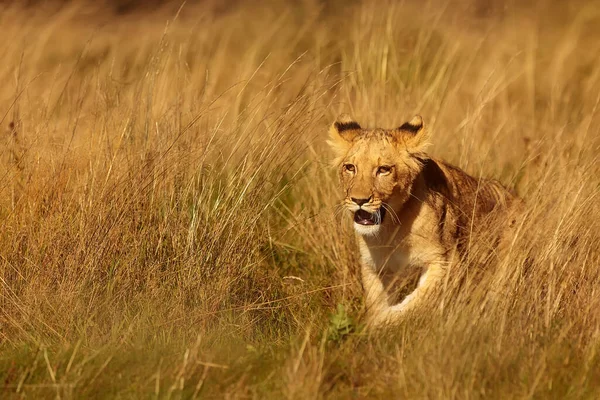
360, 202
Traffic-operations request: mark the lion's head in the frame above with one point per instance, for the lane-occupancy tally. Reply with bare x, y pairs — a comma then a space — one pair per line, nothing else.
377, 168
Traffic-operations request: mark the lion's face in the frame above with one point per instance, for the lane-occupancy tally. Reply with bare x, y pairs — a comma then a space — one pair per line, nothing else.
377, 168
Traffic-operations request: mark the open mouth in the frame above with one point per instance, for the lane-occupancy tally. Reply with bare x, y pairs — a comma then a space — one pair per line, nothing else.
363, 217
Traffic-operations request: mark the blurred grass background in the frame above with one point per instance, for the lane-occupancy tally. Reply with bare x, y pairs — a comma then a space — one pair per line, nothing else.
169, 220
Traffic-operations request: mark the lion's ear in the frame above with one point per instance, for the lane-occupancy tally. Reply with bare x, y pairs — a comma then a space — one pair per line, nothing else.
342, 132
413, 133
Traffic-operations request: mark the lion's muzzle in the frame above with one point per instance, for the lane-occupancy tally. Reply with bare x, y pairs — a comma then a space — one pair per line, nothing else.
363, 217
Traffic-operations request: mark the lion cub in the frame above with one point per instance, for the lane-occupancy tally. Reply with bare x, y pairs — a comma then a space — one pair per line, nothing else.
411, 212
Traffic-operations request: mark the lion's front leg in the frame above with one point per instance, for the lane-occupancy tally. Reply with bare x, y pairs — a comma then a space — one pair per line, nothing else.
376, 298
431, 279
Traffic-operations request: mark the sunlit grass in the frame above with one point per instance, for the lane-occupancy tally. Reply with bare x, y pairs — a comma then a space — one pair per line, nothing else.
169, 220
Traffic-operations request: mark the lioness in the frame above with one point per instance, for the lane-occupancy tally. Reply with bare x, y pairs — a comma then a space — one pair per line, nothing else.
409, 210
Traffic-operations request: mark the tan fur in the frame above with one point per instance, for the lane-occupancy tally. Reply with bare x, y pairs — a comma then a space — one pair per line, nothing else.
431, 209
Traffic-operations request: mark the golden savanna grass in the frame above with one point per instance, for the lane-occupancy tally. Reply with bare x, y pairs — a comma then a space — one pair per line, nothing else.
170, 223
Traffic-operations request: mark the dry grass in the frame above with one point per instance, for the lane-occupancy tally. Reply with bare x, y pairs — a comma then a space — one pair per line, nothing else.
168, 222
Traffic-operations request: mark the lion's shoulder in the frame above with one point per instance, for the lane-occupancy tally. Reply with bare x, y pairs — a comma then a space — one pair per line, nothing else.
464, 191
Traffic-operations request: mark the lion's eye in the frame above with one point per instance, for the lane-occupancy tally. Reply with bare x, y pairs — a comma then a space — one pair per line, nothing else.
350, 168
384, 170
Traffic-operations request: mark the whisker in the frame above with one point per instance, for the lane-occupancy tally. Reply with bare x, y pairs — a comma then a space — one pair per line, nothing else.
412, 195
378, 217
339, 208
389, 208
